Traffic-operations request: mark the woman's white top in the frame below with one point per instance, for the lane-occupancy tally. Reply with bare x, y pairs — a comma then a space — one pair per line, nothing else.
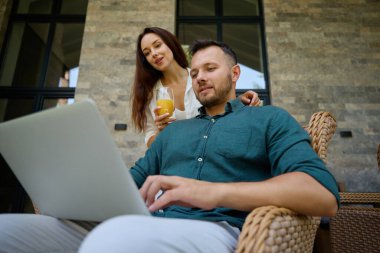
191, 108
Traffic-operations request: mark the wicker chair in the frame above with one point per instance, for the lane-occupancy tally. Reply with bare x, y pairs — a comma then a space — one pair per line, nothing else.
356, 226
276, 229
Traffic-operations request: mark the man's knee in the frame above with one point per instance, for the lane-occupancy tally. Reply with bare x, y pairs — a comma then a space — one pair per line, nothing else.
135, 233
148, 234
117, 234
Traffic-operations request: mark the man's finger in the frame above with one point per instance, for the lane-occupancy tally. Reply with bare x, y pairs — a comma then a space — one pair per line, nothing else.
163, 201
152, 192
145, 187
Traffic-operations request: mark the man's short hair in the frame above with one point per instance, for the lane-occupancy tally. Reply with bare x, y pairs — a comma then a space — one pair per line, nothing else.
202, 44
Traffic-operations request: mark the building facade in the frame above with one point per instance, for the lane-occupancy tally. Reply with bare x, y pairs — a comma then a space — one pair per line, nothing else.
321, 56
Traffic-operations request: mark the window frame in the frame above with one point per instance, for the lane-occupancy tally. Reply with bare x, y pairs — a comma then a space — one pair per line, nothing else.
218, 19
40, 92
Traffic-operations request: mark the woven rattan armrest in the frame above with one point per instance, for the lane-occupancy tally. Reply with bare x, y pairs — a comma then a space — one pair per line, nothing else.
321, 128
276, 229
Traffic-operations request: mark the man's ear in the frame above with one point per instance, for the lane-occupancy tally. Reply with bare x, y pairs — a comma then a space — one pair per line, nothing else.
235, 72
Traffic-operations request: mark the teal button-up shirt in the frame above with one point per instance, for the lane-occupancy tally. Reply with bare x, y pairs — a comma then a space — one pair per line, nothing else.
245, 144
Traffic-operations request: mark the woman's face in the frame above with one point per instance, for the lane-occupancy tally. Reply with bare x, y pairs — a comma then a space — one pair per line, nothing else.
156, 52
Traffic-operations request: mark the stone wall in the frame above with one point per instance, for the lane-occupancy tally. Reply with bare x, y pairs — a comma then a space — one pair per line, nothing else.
325, 55
107, 60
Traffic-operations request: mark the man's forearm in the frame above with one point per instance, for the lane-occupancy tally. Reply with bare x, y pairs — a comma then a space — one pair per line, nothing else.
296, 191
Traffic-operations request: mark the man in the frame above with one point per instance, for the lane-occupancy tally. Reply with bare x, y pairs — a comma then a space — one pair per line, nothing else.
209, 172
217, 167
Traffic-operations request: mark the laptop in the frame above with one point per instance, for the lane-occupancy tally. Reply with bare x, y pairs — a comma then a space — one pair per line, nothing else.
68, 163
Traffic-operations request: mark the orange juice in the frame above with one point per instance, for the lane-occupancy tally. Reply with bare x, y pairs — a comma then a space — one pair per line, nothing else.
167, 106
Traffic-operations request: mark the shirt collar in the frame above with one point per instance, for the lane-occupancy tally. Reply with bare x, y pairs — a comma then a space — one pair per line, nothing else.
231, 106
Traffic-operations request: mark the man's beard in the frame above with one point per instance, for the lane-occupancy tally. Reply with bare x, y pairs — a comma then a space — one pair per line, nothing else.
219, 96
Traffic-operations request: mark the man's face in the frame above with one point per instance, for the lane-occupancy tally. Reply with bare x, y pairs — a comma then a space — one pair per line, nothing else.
213, 76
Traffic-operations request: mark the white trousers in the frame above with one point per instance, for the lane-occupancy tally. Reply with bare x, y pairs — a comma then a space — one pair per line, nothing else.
38, 233
31, 233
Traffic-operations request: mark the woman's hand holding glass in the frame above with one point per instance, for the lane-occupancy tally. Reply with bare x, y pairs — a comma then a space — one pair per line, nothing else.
165, 107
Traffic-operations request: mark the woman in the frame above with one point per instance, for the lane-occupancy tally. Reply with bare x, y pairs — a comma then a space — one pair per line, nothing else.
161, 61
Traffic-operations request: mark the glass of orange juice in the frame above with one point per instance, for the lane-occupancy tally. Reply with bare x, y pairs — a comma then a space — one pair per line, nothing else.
165, 99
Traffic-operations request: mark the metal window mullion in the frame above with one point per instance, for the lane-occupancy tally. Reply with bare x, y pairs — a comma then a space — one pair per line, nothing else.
264, 52
56, 8
48, 48
38, 102
42, 18
26, 92
49, 45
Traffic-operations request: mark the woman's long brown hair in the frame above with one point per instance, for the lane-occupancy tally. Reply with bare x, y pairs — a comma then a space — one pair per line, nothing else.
146, 76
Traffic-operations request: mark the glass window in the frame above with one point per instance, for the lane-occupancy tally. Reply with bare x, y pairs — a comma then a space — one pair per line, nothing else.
238, 23
246, 41
14, 108
196, 8
24, 55
34, 6
9, 185
64, 57
240, 8
9, 188
44, 53
187, 33
74, 7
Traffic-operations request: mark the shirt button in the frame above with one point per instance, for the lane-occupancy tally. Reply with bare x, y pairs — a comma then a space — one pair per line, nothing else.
212, 120
205, 137
200, 159
160, 210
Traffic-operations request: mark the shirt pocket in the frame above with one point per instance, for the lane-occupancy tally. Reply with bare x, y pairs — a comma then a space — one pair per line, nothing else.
233, 143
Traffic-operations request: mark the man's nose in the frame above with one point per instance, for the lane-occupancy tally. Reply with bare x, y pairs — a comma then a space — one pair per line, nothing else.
201, 78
